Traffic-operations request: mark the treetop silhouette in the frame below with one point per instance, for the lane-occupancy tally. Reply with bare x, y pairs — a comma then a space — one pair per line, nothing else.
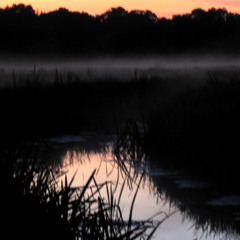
117, 31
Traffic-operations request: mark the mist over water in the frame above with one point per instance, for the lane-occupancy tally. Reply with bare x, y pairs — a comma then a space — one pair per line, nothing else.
122, 68
108, 63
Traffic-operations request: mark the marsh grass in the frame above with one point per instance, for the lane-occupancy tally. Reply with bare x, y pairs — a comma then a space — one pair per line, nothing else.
36, 109
194, 131
35, 105
212, 221
36, 205
198, 132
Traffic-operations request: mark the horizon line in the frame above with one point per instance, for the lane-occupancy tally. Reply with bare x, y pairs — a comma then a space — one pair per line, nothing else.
166, 15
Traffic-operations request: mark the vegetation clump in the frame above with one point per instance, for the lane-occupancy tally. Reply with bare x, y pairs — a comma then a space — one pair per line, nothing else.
117, 31
198, 132
35, 205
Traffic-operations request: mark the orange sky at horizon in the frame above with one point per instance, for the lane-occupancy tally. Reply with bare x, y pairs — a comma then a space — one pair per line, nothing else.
163, 8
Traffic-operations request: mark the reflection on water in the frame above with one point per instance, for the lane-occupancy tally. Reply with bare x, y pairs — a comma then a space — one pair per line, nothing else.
161, 191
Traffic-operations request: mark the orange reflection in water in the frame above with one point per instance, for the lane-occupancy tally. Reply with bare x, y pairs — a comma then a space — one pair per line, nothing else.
107, 169
147, 202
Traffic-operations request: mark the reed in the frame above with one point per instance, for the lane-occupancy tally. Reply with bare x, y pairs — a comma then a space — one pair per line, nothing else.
198, 132
191, 202
36, 205
68, 105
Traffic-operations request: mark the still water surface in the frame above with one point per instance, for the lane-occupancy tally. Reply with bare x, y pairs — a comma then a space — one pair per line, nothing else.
86, 153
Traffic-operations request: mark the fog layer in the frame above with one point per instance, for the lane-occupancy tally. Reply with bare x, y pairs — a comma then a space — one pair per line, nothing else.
118, 68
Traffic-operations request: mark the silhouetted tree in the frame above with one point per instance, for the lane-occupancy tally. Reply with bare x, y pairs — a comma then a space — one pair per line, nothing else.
21, 9
117, 31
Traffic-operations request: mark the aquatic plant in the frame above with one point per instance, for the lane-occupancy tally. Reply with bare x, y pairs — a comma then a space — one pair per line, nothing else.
199, 128
36, 205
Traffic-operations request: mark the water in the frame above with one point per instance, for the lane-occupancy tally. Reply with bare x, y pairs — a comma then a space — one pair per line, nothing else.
83, 154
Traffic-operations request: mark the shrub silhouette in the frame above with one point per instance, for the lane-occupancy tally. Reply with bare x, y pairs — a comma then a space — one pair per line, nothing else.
116, 31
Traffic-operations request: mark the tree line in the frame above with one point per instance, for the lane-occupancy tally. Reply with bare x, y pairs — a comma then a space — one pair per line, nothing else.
117, 30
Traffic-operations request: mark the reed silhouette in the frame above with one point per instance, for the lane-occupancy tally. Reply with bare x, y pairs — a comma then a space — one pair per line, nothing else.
36, 205
193, 204
191, 193
37, 109
198, 132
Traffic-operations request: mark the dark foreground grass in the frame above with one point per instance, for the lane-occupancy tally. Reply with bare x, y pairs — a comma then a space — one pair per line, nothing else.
198, 132
34, 205
194, 202
35, 109
33, 106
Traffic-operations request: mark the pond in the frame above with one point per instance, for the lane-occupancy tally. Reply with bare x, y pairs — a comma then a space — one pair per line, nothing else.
162, 192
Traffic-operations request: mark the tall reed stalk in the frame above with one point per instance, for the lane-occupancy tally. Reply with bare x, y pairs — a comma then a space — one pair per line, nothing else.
37, 206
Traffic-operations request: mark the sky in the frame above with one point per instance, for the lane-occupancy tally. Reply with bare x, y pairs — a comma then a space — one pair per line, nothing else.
163, 8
